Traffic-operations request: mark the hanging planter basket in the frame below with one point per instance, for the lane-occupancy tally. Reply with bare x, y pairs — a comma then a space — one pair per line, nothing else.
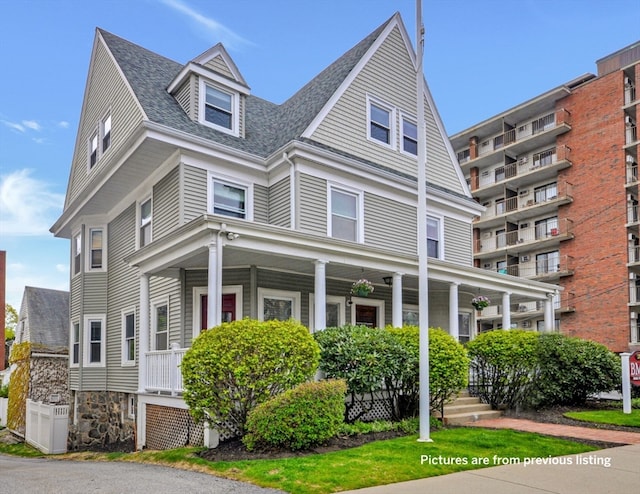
480, 302
362, 288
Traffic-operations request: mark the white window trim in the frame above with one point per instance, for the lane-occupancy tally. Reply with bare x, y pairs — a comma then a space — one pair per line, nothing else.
95, 133
411, 120
248, 186
87, 248
235, 107
87, 340
392, 122
372, 302
154, 321
359, 214
440, 220
330, 299
199, 291
279, 294
71, 342
124, 362
139, 219
103, 120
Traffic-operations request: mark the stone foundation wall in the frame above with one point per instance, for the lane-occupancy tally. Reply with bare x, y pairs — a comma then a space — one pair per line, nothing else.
49, 376
103, 422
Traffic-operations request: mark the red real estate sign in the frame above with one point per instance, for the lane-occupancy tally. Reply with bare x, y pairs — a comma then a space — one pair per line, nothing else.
634, 368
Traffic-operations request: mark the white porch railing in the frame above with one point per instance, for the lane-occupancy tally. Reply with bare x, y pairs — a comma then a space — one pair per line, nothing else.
163, 370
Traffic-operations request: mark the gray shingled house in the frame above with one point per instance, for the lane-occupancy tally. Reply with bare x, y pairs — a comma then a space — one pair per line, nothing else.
192, 201
43, 322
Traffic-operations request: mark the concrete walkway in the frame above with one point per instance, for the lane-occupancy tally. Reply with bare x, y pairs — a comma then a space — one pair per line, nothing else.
613, 470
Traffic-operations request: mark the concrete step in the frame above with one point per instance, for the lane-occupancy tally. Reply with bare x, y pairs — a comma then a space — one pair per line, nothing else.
465, 418
456, 408
464, 400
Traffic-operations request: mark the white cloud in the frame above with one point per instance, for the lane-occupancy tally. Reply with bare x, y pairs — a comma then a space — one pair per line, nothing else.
31, 124
28, 206
213, 28
63, 124
20, 275
14, 126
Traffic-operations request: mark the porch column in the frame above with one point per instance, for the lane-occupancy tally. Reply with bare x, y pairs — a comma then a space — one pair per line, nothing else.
396, 301
548, 313
320, 296
454, 330
506, 310
213, 293
143, 336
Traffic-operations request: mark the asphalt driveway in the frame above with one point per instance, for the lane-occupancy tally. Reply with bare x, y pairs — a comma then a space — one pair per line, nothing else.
44, 476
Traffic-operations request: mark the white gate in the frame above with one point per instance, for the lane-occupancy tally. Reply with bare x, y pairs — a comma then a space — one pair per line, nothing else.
47, 427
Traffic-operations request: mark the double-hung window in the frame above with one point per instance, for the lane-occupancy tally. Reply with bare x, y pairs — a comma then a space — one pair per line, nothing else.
409, 137
96, 248
77, 253
433, 237
229, 200
93, 149
75, 344
345, 214
106, 133
380, 122
129, 337
160, 325
219, 108
95, 344
145, 222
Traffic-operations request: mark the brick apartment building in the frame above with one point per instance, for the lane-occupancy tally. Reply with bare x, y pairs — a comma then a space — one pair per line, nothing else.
558, 175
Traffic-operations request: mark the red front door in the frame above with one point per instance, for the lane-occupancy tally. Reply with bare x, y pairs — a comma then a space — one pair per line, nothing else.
228, 309
367, 315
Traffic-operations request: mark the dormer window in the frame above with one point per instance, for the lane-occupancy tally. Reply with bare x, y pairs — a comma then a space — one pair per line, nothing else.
219, 108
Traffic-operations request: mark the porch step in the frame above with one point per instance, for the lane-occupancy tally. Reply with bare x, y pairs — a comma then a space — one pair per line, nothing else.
466, 409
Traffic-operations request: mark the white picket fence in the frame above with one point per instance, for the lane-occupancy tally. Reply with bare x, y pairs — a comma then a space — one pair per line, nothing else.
47, 427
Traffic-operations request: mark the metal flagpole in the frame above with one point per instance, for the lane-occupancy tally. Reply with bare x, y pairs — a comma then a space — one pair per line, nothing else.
423, 274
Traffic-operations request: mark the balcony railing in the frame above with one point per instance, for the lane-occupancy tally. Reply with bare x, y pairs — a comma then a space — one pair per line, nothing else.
562, 302
525, 164
524, 131
163, 370
560, 230
631, 134
561, 192
530, 267
632, 173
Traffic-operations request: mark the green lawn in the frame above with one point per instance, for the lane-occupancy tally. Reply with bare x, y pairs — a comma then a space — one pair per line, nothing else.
376, 463
384, 462
615, 417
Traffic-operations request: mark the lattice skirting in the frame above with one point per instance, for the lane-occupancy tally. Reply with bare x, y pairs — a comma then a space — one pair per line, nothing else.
168, 428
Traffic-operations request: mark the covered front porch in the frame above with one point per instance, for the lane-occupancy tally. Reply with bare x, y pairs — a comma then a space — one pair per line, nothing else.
266, 272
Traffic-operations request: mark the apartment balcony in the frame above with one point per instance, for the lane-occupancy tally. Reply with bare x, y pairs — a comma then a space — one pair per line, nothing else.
163, 371
527, 203
541, 236
523, 137
634, 259
528, 167
563, 302
631, 135
632, 174
547, 270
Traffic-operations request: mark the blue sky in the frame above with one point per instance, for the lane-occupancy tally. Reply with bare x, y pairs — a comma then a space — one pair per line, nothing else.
481, 57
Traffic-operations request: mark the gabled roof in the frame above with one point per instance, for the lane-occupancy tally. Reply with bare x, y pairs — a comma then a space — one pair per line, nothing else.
267, 126
44, 313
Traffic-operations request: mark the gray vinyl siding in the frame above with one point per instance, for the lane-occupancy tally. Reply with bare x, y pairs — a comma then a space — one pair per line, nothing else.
107, 92
384, 218
124, 294
166, 204
194, 189
312, 207
458, 241
280, 203
260, 204
167, 289
217, 64
75, 315
385, 77
183, 97
95, 293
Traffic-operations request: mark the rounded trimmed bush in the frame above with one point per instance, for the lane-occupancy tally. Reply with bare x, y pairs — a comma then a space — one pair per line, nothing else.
233, 367
300, 418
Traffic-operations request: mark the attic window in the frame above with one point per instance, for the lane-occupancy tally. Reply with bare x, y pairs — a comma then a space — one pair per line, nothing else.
220, 109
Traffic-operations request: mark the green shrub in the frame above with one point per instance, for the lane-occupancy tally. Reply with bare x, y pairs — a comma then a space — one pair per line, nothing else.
448, 370
235, 366
300, 418
504, 365
572, 369
364, 357
4, 391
